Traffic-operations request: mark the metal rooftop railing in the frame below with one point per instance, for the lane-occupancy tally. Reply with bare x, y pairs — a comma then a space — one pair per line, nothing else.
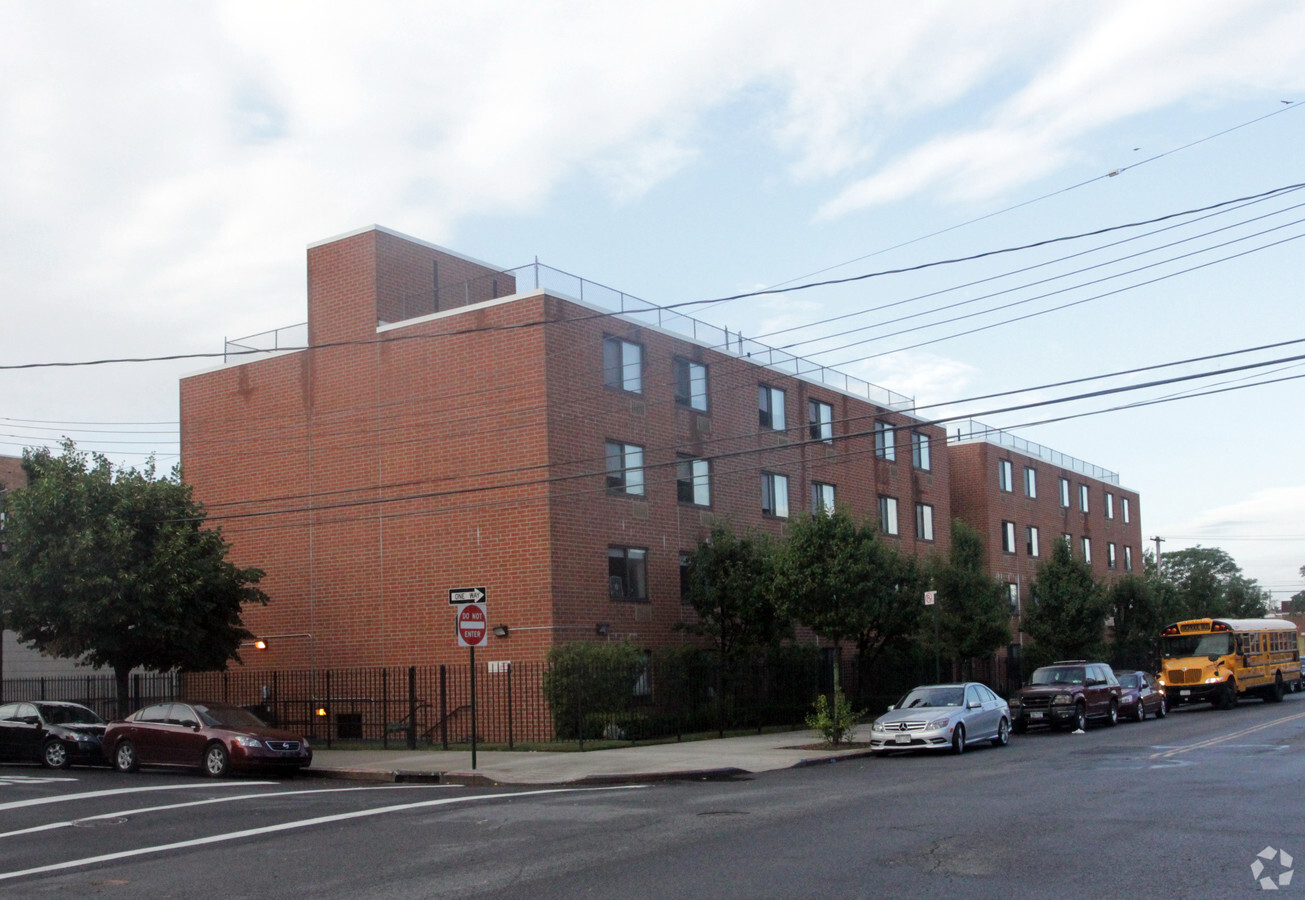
537, 276
967, 431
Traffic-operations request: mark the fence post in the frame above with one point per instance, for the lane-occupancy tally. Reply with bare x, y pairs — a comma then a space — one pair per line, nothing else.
135, 690
509, 704
385, 709
580, 702
444, 707
412, 707
326, 705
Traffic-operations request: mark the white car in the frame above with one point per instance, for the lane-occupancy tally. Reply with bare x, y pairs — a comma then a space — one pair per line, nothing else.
943, 717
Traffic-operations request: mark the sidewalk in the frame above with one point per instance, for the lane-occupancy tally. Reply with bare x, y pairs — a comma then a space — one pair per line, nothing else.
720, 758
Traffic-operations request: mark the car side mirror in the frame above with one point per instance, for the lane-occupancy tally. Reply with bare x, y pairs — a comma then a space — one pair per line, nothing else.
190, 723
891, 707
974, 704
30, 720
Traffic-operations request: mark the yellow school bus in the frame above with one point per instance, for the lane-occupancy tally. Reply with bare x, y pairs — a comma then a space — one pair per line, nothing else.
1220, 660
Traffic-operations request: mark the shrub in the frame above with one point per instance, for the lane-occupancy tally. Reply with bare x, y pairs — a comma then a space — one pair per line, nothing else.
833, 720
591, 681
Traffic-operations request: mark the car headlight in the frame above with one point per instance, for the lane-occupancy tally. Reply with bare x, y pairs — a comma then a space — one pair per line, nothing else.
304, 744
1062, 699
243, 741
877, 726
1014, 702
1213, 679
944, 722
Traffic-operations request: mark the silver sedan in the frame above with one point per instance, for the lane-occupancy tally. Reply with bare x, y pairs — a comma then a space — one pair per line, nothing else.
942, 717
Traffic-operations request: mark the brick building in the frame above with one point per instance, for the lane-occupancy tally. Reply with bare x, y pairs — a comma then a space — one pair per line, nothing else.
1022, 496
452, 427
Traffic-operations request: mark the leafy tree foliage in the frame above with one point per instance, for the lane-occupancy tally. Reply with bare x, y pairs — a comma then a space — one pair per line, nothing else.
730, 587
113, 568
843, 583
1206, 581
973, 609
1139, 618
1067, 614
1297, 602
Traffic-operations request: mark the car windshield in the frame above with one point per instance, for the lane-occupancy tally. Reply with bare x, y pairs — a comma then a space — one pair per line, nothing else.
229, 717
54, 714
1128, 679
933, 696
1058, 675
1183, 645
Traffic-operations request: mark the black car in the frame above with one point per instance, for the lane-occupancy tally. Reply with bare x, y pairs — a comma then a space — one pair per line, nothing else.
52, 733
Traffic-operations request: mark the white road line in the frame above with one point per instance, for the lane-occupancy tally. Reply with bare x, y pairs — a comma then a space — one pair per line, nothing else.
303, 823
88, 795
52, 826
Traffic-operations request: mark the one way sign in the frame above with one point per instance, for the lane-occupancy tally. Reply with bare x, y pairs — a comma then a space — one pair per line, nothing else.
458, 596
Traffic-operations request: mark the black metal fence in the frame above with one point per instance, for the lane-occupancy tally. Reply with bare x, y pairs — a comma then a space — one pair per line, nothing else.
579, 702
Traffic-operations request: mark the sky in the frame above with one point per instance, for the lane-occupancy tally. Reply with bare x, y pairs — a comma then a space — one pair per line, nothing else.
164, 165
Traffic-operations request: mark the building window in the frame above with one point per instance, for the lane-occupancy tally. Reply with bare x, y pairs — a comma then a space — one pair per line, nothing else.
1110, 505
624, 468
1068, 539
1110, 556
885, 435
822, 498
1008, 537
1030, 482
685, 560
623, 365
1064, 493
1126, 510
690, 384
1013, 594
770, 408
888, 515
820, 416
1083, 497
1005, 475
1087, 550
920, 451
924, 521
774, 495
627, 573
1031, 540
693, 480
1128, 556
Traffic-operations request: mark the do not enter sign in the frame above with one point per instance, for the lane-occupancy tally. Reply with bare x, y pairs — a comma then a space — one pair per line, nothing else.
471, 626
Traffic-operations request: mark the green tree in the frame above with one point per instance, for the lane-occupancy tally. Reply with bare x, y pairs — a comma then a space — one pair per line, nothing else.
1139, 619
1206, 581
1297, 602
1066, 616
730, 588
973, 609
114, 568
843, 583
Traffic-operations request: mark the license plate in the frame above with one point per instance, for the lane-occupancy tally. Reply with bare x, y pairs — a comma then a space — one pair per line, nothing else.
902, 738
1035, 715
1184, 693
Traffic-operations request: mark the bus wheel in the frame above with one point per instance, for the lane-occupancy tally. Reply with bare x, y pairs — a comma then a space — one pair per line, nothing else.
1227, 698
1274, 694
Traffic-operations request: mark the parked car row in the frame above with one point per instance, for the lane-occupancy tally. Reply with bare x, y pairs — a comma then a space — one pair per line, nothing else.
1065, 694
213, 737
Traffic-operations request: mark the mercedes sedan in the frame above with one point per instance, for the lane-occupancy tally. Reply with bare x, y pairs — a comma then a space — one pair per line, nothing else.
213, 737
943, 717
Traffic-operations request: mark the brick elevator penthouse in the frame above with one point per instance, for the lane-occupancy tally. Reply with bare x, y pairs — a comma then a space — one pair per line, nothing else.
452, 427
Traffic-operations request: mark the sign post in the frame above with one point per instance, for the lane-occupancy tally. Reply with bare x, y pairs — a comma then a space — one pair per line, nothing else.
931, 599
472, 627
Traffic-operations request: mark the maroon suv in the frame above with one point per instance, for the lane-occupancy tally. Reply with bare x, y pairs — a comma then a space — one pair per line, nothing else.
1067, 693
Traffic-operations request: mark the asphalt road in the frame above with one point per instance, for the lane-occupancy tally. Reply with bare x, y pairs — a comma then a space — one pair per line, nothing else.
1172, 808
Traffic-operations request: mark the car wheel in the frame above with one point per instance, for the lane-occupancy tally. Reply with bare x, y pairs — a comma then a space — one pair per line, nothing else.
216, 761
124, 757
1080, 717
1140, 715
1003, 734
1163, 709
958, 740
1276, 692
1227, 698
1112, 718
54, 755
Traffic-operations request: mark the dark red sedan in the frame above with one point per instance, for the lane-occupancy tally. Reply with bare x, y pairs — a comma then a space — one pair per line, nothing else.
1140, 695
214, 737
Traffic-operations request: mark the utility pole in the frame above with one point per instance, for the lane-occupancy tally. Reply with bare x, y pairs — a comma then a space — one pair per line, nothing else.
1158, 541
